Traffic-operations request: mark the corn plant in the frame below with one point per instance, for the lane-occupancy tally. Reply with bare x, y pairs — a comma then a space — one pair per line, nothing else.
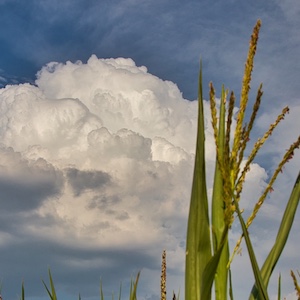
207, 250
52, 293
132, 292
22, 292
133, 287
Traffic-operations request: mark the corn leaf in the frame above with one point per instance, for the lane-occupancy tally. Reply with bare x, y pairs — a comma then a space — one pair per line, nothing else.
52, 293
198, 246
133, 288
279, 287
282, 236
101, 290
120, 291
218, 222
211, 268
230, 286
262, 291
23, 292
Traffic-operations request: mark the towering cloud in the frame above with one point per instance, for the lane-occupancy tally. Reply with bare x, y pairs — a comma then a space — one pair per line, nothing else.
96, 156
96, 166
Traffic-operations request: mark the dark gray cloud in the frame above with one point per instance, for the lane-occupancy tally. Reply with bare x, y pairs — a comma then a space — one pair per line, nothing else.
86, 180
70, 267
104, 202
19, 195
109, 205
27, 186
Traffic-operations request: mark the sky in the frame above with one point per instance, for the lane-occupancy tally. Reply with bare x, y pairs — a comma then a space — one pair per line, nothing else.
97, 130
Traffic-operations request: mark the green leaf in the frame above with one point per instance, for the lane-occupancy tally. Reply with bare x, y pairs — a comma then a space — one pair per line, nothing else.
211, 268
133, 287
262, 291
23, 292
52, 293
101, 290
230, 286
279, 287
48, 291
198, 246
218, 221
120, 291
282, 236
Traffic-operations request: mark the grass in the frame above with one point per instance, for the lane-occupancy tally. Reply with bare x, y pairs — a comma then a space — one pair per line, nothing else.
207, 251
52, 292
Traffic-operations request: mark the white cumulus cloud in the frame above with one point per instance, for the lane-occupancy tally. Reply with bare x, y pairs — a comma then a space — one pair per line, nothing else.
96, 166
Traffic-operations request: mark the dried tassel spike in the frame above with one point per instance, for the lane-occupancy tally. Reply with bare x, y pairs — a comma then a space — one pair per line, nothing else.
163, 282
297, 287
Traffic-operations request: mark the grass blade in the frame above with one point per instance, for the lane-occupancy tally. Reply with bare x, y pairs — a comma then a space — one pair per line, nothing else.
198, 246
48, 291
101, 290
279, 287
52, 293
133, 287
120, 291
22, 292
52, 286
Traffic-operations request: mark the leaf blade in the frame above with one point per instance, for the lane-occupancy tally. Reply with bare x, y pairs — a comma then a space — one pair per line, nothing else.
198, 246
282, 236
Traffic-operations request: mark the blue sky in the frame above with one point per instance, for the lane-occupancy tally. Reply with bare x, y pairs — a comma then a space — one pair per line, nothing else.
97, 148
167, 37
